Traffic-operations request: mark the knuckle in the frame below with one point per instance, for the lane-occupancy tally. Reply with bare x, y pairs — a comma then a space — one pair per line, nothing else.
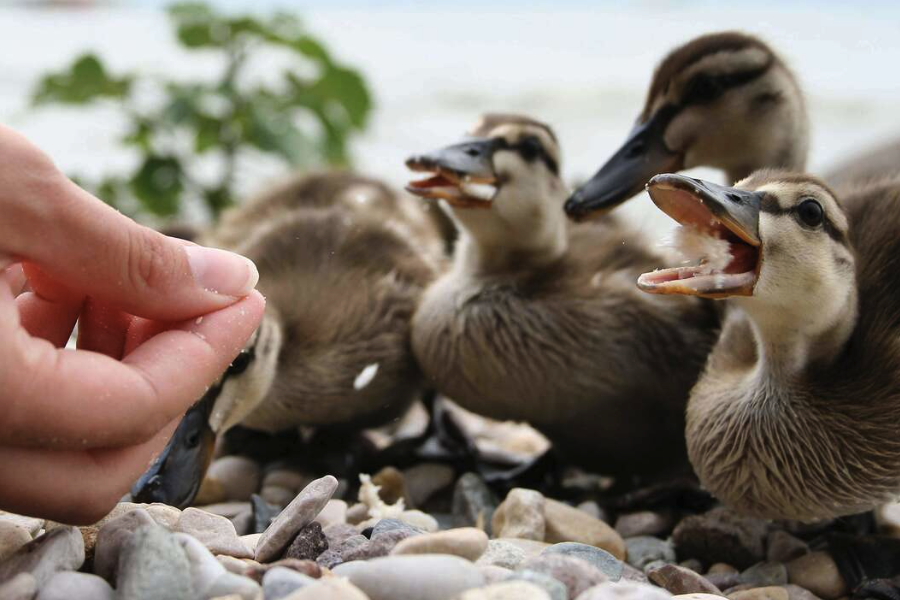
149, 262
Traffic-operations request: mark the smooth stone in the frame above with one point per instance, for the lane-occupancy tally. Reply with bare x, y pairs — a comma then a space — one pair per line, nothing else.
392, 484
329, 589
418, 577
30, 524
529, 547
721, 568
721, 535
643, 550
229, 510
243, 523
329, 559
506, 590
153, 566
277, 496
568, 524
337, 533
624, 590
629, 573
643, 523
724, 581
693, 564
111, 538
591, 508
280, 582
474, 503
678, 580
306, 567
494, 574
59, 550
501, 554
426, 479
818, 573
521, 515
263, 514
467, 542
211, 492
386, 525
355, 547
552, 586
230, 584
357, 513
217, 533
762, 593
12, 537
783, 547
765, 574
576, 574
205, 569
420, 520
239, 476
288, 479
70, 585
795, 592
21, 587
299, 513
602, 560
334, 513
309, 543
238, 566
251, 540
163, 514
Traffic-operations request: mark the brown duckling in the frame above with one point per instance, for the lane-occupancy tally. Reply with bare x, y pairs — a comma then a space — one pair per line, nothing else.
539, 319
795, 414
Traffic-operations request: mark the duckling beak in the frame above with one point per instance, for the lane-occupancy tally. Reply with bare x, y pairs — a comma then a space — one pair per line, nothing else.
728, 218
462, 174
175, 476
643, 155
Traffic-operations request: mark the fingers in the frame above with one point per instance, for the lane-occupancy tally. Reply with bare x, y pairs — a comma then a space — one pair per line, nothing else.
14, 277
88, 400
102, 328
52, 321
77, 487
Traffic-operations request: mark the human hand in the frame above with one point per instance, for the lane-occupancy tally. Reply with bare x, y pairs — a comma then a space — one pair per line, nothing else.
159, 320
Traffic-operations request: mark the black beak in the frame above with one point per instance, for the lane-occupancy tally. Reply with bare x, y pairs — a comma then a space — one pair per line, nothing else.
175, 476
471, 159
643, 155
738, 210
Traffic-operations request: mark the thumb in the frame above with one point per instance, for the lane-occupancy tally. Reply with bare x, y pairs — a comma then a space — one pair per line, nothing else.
93, 249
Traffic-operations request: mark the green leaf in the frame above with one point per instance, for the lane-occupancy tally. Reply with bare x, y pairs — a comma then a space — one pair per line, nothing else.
209, 134
85, 80
272, 131
158, 185
217, 200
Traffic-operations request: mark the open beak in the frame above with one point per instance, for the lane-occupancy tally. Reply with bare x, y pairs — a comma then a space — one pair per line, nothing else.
643, 155
175, 476
462, 174
728, 219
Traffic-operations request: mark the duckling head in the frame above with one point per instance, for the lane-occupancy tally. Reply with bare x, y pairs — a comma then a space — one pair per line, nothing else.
722, 100
501, 186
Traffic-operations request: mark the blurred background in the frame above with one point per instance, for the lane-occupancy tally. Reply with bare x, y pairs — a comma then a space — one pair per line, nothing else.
177, 110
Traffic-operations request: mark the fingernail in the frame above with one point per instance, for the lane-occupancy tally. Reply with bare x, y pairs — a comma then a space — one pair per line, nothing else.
221, 271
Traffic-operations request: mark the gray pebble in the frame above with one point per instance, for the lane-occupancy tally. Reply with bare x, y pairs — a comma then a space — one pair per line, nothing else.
721, 535
153, 566
576, 574
70, 585
783, 547
231, 584
385, 525
605, 562
501, 554
554, 587
280, 582
643, 550
624, 590
765, 574
474, 502
643, 523
205, 568
412, 577
678, 580
59, 550
299, 513
112, 537
21, 587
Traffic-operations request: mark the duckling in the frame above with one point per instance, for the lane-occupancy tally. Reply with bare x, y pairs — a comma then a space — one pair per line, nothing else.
539, 320
795, 414
343, 261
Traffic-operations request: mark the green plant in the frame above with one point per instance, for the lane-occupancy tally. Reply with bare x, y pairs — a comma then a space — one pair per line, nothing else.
221, 120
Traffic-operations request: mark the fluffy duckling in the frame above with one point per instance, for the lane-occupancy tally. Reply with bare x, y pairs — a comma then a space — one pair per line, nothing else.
795, 415
539, 320
343, 261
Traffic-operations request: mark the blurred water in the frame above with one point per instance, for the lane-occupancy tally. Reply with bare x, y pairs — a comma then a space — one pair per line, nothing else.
434, 67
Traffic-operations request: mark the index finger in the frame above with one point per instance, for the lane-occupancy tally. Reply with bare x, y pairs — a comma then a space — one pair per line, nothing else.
84, 399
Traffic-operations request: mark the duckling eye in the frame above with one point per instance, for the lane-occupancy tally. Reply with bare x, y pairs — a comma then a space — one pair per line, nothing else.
702, 89
810, 213
530, 148
240, 363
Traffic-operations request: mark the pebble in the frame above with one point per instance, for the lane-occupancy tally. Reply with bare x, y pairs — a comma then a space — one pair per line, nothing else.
591, 508
163, 514
795, 592
817, 573
217, 533
530, 547
21, 587
568, 524
153, 566
280, 582
643, 523
507, 590
501, 554
468, 542
721, 568
421, 520
236, 565
721, 535
299, 513
59, 550
554, 587
783, 547
693, 564
211, 492
329, 559
631, 574
574, 573
334, 513
765, 574
392, 484
263, 514
624, 590
288, 479
239, 476
229, 510
337, 533
251, 541
204, 568
309, 543
474, 503
426, 479
230, 584
306, 567
329, 589
724, 581
762, 593
276, 495
494, 574
419, 577
69, 585
112, 537
678, 580
12, 537
602, 560
30, 524
355, 547
643, 550
521, 515
386, 525
357, 513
